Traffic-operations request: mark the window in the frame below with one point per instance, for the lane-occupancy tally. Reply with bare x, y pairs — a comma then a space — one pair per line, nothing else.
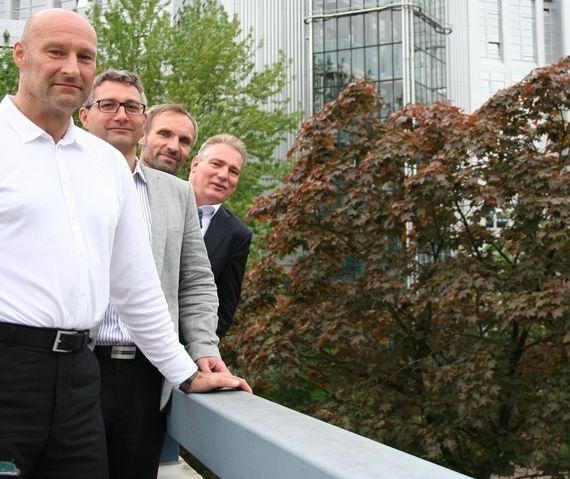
357, 23
522, 26
497, 220
318, 35
491, 82
371, 61
490, 15
330, 26
386, 66
371, 29
344, 34
358, 63
552, 32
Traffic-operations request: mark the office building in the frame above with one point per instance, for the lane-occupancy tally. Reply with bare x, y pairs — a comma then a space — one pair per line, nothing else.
413, 50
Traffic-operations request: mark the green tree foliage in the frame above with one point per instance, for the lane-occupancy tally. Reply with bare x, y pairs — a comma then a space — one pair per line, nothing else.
448, 339
200, 61
8, 69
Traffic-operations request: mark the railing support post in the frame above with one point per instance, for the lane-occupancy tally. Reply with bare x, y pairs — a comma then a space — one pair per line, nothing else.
169, 450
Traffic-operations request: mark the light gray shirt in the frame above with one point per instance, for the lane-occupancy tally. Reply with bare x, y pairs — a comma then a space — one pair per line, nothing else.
112, 330
208, 212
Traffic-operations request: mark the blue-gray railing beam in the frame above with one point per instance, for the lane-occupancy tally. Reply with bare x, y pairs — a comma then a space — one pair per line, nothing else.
239, 436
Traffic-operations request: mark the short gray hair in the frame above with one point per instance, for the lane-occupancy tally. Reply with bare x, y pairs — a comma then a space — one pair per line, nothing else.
225, 139
120, 76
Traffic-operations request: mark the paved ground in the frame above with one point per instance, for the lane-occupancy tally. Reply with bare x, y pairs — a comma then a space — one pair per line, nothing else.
179, 470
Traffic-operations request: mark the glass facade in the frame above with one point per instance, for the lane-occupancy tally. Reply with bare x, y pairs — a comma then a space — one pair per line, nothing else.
429, 54
356, 38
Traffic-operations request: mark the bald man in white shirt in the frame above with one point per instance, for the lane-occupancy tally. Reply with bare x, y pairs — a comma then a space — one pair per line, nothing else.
70, 229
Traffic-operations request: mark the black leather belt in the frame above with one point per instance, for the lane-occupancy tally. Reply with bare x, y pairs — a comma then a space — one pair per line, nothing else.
57, 340
118, 352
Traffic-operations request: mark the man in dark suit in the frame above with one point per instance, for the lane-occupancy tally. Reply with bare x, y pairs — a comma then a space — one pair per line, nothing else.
214, 175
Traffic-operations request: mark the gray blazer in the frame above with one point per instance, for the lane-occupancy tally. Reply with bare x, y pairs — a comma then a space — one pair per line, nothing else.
183, 266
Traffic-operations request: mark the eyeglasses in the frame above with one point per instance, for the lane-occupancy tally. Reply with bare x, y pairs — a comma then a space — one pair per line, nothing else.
112, 106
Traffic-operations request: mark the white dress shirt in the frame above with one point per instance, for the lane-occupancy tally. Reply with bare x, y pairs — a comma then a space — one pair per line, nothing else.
208, 212
72, 238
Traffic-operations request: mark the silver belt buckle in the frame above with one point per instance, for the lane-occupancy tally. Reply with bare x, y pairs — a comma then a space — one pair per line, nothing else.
58, 338
123, 352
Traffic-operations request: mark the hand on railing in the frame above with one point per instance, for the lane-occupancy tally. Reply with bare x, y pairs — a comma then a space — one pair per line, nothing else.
212, 364
208, 381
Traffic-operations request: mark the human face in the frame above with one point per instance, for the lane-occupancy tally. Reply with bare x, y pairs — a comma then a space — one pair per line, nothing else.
121, 130
215, 175
56, 59
167, 142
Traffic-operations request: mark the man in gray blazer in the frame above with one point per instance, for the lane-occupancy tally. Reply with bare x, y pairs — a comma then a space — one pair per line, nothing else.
133, 395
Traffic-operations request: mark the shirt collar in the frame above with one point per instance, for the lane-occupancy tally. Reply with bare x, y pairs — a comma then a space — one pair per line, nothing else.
26, 128
138, 171
213, 209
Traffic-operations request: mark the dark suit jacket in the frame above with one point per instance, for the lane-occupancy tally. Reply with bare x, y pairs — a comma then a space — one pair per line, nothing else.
227, 242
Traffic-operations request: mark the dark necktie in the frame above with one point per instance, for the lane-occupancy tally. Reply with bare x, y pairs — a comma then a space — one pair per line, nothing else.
200, 214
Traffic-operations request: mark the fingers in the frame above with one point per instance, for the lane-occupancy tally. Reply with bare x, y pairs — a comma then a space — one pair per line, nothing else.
207, 381
228, 381
244, 386
220, 367
203, 365
212, 364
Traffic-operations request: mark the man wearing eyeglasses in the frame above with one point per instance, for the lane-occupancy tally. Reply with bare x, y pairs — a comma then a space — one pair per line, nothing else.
132, 395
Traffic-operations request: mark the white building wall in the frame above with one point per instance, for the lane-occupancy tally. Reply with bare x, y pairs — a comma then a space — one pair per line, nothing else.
13, 27
487, 75
279, 25
458, 52
14, 13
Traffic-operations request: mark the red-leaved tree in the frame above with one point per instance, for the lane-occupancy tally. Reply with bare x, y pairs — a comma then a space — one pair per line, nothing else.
388, 302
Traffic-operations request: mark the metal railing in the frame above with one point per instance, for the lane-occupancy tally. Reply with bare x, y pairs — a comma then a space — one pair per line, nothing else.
238, 435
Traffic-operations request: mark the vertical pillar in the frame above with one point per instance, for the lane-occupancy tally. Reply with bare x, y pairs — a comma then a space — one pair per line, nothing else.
539, 32
308, 9
169, 450
408, 51
565, 16
13, 9
505, 33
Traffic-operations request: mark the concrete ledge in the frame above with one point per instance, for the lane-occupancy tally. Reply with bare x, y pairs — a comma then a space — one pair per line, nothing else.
238, 435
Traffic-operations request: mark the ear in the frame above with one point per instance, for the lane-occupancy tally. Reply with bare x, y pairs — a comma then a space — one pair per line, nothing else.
19, 54
83, 113
194, 163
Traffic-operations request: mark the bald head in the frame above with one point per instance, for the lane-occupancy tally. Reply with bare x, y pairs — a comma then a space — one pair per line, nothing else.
56, 57
56, 15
